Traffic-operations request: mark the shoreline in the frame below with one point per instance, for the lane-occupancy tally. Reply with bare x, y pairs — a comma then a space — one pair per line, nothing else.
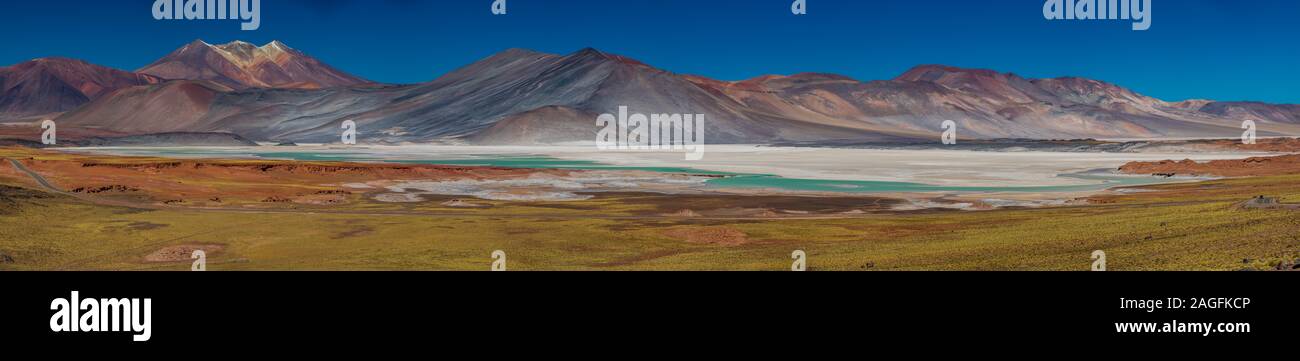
1044, 178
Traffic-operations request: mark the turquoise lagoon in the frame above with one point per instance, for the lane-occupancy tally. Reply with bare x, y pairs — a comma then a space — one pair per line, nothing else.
1097, 180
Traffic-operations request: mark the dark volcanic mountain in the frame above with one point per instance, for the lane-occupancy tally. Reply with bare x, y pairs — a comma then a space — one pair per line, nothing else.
241, 65
55, 85
524, 97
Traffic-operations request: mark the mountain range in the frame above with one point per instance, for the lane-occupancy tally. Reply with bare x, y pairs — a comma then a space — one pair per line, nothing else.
274, 93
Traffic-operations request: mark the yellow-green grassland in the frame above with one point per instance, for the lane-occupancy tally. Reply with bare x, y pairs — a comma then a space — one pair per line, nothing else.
1182, 226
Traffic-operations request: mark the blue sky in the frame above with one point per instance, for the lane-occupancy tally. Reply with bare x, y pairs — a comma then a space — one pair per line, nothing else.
1216, 49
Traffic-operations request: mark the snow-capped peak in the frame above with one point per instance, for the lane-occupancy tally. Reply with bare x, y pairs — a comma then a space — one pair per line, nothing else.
240, 64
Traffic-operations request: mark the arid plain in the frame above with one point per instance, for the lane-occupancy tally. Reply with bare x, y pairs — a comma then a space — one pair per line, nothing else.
79, 211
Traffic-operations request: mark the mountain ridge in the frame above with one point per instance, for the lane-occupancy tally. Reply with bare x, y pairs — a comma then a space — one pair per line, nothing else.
54, 85
549, 96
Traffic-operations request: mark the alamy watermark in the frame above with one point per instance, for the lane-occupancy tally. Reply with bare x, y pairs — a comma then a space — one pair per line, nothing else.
49, 133
1139, 11
949, 136
249, 11
349, 136
1248, 137
656, 132
76, 314
498, 261
200, 261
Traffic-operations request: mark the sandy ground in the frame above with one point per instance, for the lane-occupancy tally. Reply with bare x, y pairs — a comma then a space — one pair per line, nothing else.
182, 253
1259, 166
